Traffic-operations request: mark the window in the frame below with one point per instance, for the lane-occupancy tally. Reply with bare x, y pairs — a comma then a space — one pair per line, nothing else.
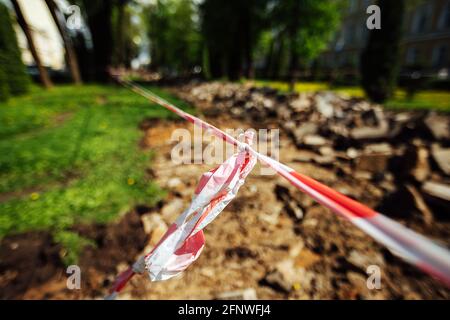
350, 34
411, 56
340, 43
444, 18
421, 18
439, 58
352, 6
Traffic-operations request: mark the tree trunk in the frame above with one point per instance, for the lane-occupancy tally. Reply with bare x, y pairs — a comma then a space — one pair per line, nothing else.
45, 79
293, 66
276, 62
269, 59
99, 21
71, 57
247, 43
380, 60
120, 31
293, 33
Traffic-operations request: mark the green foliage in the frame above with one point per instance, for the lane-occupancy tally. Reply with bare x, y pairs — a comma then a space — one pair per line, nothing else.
300, 31
230, 31
308, 23
11, 65
226, 38
4, 88
73, 245
64, 161
380, 60
174, 37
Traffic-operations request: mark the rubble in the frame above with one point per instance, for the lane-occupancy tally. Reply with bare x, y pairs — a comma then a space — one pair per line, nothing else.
338, 131
245, 294
370, 133
323, 105
420, 165
374, 158
362, 260
314, 140
442, 157
306, 129
438, 125
172, 210
306, 258
154, 226
437, 190
174, 183
421, 205
291, 205
395, 162
284, 277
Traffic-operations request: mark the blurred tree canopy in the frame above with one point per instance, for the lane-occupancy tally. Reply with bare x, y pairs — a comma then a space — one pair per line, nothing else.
175, 45
13, 78
307, 26
215, 38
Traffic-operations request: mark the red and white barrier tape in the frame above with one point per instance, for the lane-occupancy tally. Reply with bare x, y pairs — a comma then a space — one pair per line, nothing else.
183, 242
407, 244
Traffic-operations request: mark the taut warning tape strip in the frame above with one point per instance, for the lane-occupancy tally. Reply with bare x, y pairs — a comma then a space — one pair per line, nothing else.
409, 245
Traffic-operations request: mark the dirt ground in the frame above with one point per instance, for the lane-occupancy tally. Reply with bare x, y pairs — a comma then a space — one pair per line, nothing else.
256, 236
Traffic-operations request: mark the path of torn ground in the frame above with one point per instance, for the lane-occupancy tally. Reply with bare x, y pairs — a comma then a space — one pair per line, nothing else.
257, 248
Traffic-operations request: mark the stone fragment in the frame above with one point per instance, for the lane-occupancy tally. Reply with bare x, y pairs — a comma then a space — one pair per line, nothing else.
245, 294
437, 190
438, 125
171, 210
442, 157
154, 226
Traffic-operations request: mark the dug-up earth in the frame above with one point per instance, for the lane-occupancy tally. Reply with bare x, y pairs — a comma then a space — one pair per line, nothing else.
272, 241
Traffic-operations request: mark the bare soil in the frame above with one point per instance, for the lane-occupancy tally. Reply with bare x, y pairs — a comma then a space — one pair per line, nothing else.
255, 236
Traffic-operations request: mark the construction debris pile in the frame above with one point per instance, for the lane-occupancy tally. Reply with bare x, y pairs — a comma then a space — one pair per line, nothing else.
405, 154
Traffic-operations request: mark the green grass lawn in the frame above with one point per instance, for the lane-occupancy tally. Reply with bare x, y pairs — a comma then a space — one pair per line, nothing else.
433, 100
70, 155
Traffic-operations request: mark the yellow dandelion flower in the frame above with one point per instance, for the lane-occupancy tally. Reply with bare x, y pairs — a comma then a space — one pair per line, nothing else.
34, 196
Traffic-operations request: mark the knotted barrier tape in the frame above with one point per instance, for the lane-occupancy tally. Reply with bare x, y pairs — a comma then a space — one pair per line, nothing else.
401, 241
183, 242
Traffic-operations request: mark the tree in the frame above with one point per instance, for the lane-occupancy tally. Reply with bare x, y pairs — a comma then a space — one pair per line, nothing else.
71, 57
122, 39
13, 78
174, 36
129, 22
216, 27
99, 16
45, 79
308, 26
230, 29
380, 60
4, 90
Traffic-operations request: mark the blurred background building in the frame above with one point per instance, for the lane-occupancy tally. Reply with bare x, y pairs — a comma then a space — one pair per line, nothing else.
425, 45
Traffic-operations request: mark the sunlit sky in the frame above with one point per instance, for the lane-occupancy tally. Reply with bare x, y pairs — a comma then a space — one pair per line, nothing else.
46, 35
